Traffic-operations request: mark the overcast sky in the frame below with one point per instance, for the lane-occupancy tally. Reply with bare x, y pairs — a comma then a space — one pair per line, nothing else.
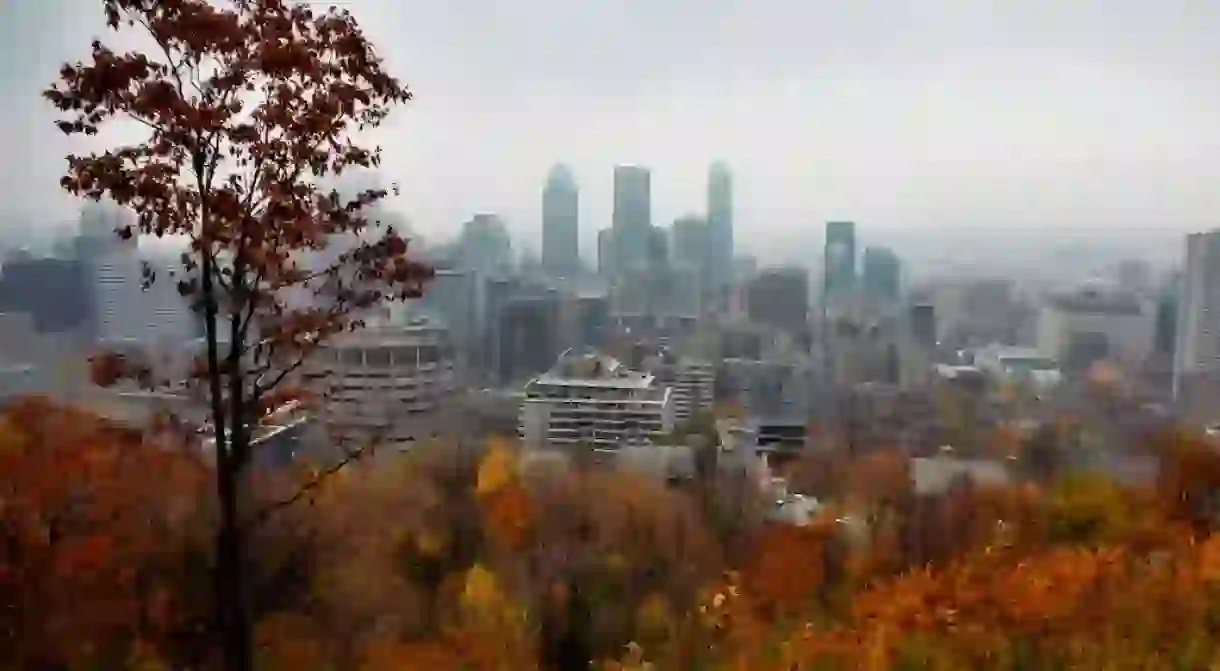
899, 114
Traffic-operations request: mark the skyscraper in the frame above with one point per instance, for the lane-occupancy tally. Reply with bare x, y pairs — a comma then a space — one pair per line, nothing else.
720, 223
113, 272
1198, 324
839, 267
632, 217
780, 297
881, 276
560, 223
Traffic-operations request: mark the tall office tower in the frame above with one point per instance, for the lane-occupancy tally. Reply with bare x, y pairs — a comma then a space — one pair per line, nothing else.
689, 244
167, 314
839, 267
658, 248
632, 217
560, 223
485, 246
923, 325
780, 298
605, 252
112, 272
720, 224
1198, 327
881, 279
59, 302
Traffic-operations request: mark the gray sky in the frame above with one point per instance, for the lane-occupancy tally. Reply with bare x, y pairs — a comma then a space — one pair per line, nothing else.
899, 114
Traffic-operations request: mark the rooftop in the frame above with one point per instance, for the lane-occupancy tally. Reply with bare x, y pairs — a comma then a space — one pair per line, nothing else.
593, 369
1097, 302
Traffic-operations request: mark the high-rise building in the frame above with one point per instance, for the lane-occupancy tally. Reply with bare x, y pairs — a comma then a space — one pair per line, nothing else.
1165, 330
167, 314
592, 320
720, 224
561, 223
632, 217
60, 301
529, 333
690, 242
780, 298
881, 281
113, 269
485, 246
605, 252
1198, 327
923, 325
839, 266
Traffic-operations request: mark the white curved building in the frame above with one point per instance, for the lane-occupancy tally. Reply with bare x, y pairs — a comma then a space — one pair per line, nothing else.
387, 382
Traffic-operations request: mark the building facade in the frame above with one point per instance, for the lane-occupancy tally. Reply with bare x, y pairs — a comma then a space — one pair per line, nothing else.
592, 400
720, 225
387, 382
561, 224
1084, 327
632, 218
1198, 325
839, 267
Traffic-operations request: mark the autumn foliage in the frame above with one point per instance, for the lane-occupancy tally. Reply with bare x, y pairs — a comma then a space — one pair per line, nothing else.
468, 557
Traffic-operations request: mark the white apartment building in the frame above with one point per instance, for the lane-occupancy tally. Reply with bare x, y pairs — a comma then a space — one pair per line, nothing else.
388, 381
592, 399
1198, 328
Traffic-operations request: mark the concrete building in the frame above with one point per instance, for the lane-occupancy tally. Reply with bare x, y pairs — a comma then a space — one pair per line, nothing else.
692, 382
839, 268
780, 298
973, 312
591, 399
774, 387
632, 218
881, 279
61, 302
484, 246
387, 381
1197, 353
720, 225
113, 271
561, 223
529, 337
1090, 325
1005, 363
923, 326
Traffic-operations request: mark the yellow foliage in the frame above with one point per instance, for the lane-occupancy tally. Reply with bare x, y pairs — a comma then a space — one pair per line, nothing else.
482, 597
497, 468
654, 616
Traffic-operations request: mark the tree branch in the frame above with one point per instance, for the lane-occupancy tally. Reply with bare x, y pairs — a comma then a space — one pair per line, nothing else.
315, 482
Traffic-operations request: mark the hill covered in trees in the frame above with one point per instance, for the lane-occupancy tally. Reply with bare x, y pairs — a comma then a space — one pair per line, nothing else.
452, 557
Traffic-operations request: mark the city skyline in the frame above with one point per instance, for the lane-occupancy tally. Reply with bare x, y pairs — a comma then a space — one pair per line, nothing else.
976, 118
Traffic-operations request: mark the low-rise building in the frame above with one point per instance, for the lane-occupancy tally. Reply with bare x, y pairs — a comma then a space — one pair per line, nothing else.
1081, 328
591, 399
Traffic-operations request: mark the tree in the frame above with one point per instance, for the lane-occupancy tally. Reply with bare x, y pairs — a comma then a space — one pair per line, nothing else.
247, 105
94, 555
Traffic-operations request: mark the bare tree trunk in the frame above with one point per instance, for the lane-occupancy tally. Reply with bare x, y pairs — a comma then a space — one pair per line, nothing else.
231, 615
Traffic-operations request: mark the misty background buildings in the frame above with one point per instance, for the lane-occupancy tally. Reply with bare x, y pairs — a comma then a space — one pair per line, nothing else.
667, 320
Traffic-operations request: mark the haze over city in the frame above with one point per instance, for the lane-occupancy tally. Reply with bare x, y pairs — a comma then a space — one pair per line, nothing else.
1010, 118
701, 335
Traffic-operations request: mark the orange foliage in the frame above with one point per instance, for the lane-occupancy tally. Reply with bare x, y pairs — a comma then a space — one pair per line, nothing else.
789, 567
85, 528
